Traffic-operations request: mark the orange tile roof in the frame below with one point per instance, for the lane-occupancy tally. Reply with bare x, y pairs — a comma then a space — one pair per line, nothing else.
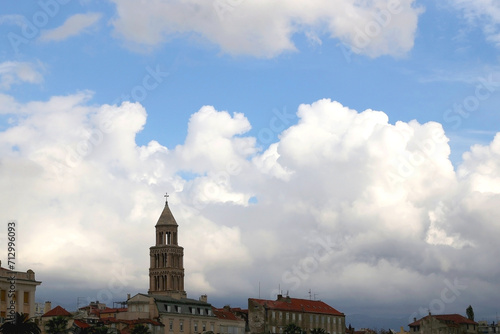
298, 305
455, 318
224, 314
81, 324
57, 311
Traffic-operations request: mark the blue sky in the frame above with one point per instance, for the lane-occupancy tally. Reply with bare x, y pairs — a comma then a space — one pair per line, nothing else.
220, 82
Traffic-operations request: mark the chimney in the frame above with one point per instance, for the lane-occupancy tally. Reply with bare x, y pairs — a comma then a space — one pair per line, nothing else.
128, 296
204, 298
47, 307
414, 319
280, 297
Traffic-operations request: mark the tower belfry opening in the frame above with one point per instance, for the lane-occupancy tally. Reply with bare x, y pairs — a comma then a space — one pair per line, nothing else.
166, 268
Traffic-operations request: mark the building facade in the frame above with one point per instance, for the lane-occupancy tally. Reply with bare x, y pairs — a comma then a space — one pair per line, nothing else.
269, 316
444, 324
228, 321
178, 315
22, 293
485, 328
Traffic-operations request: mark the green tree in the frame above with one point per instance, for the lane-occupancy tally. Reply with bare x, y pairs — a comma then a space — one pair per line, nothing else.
140, 329
99, 329
470, 313
318, 331
292, 329
21, 324
57, 325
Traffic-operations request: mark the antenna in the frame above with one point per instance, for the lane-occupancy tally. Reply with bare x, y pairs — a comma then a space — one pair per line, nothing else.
310, 298
78, 303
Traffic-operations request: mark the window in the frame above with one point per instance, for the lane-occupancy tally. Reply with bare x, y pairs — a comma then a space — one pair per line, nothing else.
204, 327
181, 325
293, 316
196, 326
281, 315
171, 325
26, 297
287, 316
212, 327
273, 314
300, 317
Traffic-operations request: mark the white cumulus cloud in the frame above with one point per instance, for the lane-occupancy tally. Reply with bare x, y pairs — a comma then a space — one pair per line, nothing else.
342, 196
266, 29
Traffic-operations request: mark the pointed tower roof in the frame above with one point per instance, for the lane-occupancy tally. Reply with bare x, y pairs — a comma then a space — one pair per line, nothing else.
166, 217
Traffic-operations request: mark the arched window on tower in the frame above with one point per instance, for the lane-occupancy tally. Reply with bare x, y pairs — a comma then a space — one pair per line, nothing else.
168, 238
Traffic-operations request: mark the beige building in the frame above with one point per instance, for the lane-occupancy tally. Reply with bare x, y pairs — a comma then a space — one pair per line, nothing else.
228, 322
272, 316
24, 292
444, 324
57, 311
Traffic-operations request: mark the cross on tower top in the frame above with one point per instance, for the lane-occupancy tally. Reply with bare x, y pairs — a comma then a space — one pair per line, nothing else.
166, 198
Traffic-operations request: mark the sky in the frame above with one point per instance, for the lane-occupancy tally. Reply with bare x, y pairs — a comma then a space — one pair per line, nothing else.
339, 150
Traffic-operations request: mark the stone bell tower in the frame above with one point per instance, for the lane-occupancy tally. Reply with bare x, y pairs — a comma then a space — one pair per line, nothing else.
166, 269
